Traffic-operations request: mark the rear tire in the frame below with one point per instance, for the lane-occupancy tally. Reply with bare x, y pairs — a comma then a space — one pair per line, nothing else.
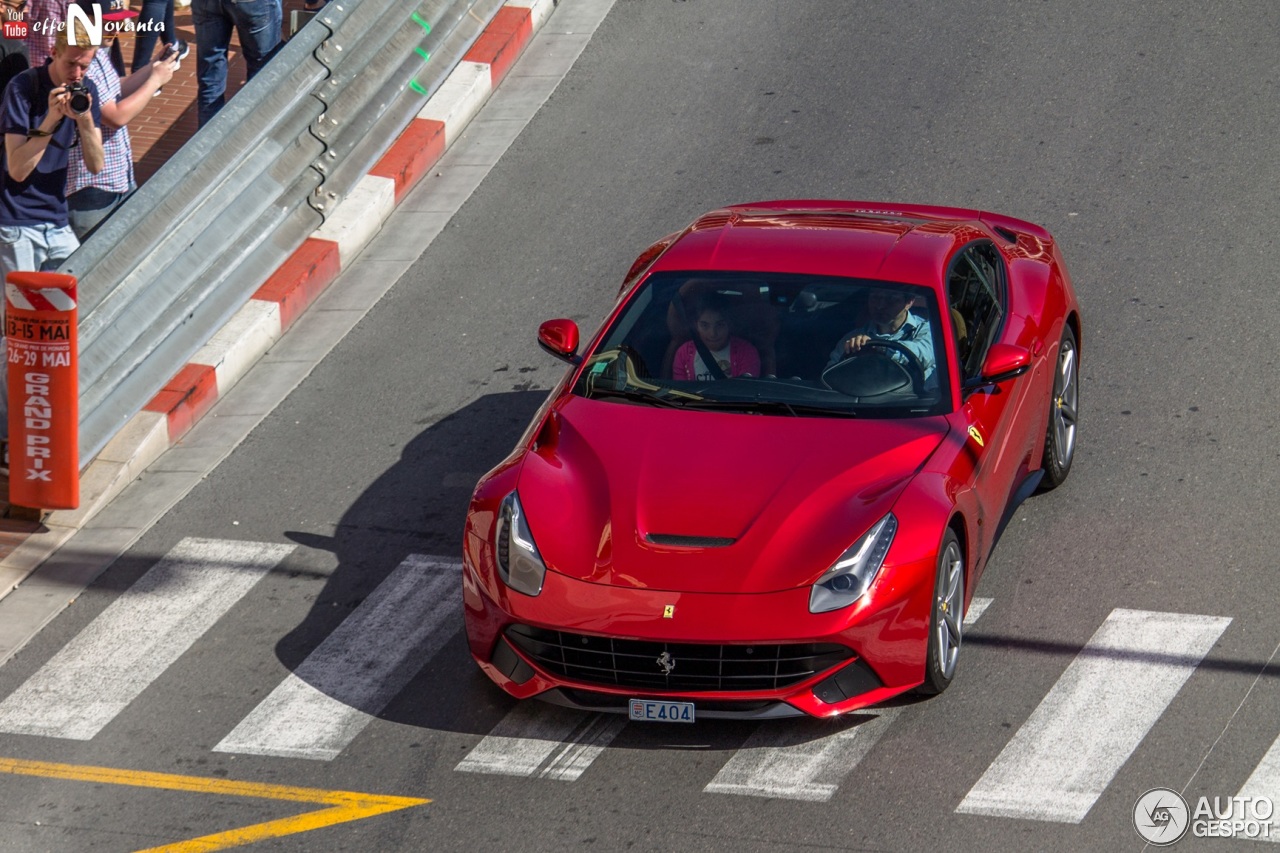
946, 618
1064, 408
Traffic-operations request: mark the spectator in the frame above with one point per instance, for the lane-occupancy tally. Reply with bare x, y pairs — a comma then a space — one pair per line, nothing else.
155, 12
49, 13
258, 24
40, 128
91, 198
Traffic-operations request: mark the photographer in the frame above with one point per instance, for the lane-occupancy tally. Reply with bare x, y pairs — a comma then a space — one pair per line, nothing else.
45, 111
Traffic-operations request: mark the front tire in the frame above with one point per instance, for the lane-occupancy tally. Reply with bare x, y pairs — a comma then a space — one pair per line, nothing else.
1064, 407
946, 618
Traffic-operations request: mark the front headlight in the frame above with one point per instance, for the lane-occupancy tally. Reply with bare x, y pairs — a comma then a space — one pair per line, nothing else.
519, 564
851, 575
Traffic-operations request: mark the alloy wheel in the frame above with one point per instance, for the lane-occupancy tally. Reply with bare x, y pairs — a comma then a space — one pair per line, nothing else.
949, 603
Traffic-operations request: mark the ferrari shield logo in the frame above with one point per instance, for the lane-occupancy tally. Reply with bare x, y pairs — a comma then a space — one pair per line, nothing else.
669, 612
976, 436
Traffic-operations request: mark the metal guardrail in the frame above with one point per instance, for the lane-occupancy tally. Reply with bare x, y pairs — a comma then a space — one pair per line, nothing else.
187, 250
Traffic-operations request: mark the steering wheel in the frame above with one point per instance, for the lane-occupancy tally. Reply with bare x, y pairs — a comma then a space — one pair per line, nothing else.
888, 375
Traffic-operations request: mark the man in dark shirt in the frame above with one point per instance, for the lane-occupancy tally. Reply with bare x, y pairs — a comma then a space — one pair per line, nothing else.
41, 132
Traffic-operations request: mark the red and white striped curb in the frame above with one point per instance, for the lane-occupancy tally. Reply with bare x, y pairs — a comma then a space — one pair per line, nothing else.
321, 258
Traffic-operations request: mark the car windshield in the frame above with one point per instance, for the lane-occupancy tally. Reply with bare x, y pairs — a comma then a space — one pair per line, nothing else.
764, 343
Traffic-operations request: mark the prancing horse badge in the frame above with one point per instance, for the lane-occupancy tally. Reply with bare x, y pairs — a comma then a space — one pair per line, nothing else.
975, 435
669, 612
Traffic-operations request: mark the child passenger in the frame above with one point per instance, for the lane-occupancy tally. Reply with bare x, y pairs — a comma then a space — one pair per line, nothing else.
735, 356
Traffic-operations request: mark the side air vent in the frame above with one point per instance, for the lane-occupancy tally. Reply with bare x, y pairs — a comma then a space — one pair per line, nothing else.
673, 541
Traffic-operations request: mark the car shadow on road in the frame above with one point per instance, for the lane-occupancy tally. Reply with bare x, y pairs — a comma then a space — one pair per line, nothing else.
417, 507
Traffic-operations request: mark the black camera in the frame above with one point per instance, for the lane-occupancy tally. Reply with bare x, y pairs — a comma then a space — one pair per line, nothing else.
78, 97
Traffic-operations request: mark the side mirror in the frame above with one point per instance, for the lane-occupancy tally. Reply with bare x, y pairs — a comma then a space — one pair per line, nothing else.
1003, 362
560, 338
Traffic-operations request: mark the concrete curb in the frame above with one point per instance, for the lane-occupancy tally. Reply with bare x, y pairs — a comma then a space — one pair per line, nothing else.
293, 287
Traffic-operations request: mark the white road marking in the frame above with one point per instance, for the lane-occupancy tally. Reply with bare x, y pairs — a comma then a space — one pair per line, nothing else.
545, 741
977, 606
1263, 782
803, 760
1073, 744
794, 760
350, 677
136, 638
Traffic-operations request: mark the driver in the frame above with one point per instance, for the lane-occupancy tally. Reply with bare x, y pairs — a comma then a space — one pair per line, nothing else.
889, 318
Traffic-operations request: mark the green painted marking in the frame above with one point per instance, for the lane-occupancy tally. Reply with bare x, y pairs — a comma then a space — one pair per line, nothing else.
426, 57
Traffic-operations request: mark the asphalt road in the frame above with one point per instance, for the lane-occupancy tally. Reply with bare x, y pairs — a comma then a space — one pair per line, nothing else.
1143, 137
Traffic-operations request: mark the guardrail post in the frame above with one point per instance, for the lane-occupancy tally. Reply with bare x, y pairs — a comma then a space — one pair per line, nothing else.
44, 413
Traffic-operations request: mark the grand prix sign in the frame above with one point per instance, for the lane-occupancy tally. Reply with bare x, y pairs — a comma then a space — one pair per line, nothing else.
44, 411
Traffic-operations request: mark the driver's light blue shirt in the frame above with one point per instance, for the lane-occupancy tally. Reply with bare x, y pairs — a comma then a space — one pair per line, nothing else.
914, 334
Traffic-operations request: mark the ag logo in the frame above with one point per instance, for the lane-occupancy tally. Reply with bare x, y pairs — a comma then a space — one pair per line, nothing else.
1161, 816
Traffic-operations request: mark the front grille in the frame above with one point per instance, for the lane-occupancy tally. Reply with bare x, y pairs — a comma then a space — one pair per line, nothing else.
692, 667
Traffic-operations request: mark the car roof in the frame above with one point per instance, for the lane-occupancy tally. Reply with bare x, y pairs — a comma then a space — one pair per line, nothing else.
906, 243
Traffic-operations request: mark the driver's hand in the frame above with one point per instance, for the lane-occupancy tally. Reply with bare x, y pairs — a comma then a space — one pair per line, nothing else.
855, 343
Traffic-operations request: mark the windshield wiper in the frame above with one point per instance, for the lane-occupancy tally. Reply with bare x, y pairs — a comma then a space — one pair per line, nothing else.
643, 397
782, 407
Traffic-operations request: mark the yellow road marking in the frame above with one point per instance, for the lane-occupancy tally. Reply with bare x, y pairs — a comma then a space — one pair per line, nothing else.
345, 805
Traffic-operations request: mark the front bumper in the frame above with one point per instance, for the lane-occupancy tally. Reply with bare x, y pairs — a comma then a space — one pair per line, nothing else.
886, 633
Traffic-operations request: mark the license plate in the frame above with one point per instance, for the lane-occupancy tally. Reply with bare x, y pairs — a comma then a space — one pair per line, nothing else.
651, 711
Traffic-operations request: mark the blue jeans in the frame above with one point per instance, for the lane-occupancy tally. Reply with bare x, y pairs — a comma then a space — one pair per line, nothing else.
28, 247
87, 208
144, 43
256, 22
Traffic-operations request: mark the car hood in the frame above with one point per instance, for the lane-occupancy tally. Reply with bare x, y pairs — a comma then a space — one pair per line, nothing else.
691, 501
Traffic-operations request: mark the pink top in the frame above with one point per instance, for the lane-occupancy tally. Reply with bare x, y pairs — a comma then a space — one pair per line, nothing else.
743, 359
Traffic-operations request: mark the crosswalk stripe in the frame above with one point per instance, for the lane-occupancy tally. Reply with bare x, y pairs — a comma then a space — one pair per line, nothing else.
350, 677
796, 762
977, 606
543, 741
1062, 758
804, 760
136, 638
1264, 781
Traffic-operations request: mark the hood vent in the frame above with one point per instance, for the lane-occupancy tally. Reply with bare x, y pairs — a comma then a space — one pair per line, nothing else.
672, 541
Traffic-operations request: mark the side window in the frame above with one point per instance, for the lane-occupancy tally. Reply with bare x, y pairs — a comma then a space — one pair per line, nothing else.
975, 289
